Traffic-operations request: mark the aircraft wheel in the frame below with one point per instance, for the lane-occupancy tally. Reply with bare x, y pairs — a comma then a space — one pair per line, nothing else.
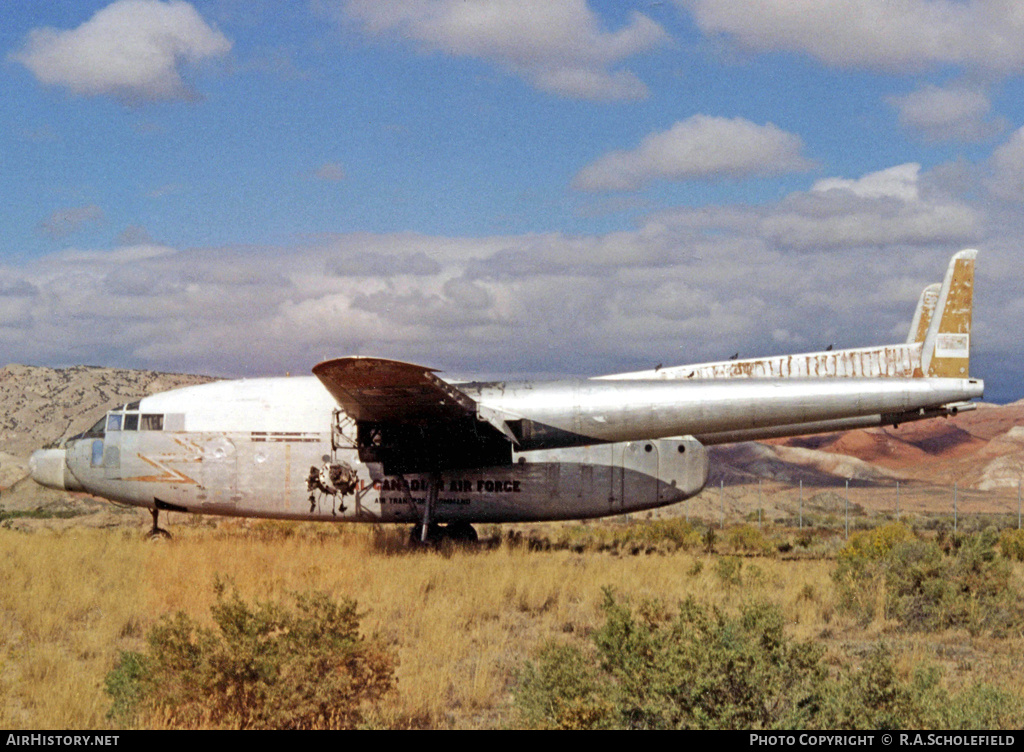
435, 533
156, 532
461, 532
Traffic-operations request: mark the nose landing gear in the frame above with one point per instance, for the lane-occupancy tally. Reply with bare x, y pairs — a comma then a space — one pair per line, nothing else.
156, 532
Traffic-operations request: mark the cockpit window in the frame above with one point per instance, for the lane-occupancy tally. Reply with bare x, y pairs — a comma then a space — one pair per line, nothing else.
127, 421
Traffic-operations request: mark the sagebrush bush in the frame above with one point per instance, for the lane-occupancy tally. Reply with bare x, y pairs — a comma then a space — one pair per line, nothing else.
564, 690
698, 668
692, 670
1011, 543
748, 539
264, 666
928, 586
876, 696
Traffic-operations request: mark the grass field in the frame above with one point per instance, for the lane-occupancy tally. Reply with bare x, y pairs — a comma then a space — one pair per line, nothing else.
461, 622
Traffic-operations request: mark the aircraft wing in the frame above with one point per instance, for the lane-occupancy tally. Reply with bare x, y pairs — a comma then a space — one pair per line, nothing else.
412, 420
377, 390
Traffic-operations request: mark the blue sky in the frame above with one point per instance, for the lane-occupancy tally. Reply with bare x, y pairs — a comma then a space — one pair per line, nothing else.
537, 187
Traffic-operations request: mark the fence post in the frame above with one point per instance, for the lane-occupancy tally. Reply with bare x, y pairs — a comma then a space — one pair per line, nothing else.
954, 507
760, 504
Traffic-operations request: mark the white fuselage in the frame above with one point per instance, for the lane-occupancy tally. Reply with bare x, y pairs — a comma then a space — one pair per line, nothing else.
282, 448
250, 447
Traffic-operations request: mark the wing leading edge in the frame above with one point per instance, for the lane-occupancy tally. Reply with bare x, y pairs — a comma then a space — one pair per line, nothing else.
379, 390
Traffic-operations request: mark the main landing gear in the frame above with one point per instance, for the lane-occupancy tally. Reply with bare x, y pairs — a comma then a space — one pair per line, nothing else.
429, 531
457, 532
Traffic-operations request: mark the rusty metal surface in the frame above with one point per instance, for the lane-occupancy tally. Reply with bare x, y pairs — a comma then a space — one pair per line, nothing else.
892, 361
377, 389
947, 346
923, 315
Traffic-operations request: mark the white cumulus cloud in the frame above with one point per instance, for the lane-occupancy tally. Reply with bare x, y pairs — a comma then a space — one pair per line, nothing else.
899, 182
132, 50
559, 45
699, 147
881, 34
1006, 181
879, 209
951, 113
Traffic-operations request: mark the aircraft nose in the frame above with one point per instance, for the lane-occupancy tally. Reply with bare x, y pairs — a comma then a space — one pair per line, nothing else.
48, 467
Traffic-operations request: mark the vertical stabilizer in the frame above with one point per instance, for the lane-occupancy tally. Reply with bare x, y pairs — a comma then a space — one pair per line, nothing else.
947, 345
923, 315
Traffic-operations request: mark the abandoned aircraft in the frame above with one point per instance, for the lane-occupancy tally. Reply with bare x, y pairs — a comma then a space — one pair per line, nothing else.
374, 440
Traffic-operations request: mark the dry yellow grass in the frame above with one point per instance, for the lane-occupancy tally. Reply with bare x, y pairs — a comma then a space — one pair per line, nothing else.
461, 621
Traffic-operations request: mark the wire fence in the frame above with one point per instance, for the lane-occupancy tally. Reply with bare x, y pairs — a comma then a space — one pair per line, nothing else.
854, 506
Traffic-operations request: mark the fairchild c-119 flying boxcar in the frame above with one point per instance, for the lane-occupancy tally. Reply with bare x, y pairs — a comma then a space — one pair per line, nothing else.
374, 440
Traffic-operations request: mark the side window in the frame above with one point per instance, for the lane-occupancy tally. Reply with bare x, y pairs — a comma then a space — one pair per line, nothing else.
131, 421
114, 422
97, 429
152, 422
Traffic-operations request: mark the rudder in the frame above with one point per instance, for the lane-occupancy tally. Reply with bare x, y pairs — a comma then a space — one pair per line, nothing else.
924, 312
947, 346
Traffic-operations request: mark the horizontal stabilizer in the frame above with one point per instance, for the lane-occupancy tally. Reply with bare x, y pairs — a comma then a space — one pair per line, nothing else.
892, 361
938, 345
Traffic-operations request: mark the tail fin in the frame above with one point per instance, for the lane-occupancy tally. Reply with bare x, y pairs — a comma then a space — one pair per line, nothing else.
938, 344
947, 345
923, 314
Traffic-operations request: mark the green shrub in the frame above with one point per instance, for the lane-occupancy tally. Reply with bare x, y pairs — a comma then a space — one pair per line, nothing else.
748, 539
709, 539
662, 536
875, 696
874, 544
563, 690
124, 684
264, 666
1011, 543
928, 586
692, 670
728, 570
698, 668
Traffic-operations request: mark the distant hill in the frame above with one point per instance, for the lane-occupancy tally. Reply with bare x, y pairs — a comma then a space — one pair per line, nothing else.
982, 449
41, 405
